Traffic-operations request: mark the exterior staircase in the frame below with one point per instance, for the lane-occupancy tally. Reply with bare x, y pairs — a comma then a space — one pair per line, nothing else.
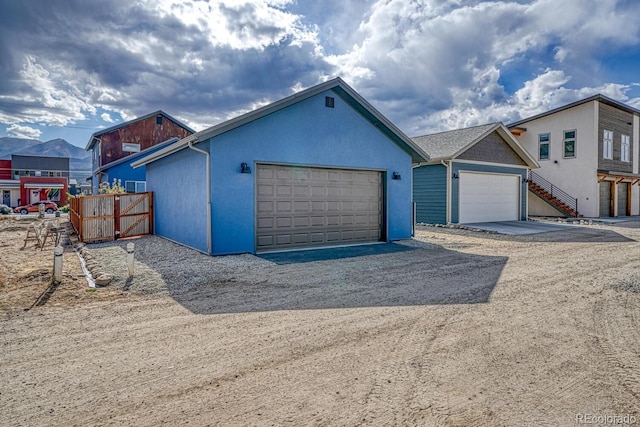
559, 199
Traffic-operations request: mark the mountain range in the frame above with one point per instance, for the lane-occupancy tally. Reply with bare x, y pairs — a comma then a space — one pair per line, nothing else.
79, 159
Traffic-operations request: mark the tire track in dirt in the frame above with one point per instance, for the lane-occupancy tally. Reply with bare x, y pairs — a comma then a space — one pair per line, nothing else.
392, 399
618, 337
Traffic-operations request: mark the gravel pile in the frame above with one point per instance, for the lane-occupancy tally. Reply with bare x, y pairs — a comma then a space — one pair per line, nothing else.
166, 268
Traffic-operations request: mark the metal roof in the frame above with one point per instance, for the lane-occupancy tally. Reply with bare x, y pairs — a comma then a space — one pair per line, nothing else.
137, 119
337, 85
598, 97
142, 153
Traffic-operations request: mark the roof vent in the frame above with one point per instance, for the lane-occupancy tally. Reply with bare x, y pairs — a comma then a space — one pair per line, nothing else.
329, 102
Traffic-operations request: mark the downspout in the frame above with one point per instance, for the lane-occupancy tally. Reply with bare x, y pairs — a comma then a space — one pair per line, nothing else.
208, 188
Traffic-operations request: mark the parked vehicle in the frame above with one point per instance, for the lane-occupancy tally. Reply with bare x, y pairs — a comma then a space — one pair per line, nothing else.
49, 207
5, 210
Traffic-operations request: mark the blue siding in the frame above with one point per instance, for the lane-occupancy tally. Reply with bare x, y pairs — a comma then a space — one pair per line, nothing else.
455, 185
121, 169
306, 133
124, 172
430, 194
179, 193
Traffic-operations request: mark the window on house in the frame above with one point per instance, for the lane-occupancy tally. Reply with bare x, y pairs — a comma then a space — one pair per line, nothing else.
158, 120
543, 146
135, 186
16, 173
607, 144
38, 173
624, 148
130, 147
569, 143
50, 173
27, 173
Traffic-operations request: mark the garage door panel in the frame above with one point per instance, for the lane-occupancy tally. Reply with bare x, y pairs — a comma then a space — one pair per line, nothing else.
318, 221
265, 190
313, 207
487, 197
265, 223
283, 206
265, 207
300, 190
283, 191
284, 174
265, 240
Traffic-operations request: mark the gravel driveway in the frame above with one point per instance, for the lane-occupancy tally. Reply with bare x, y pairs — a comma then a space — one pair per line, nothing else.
399, 274
456, 328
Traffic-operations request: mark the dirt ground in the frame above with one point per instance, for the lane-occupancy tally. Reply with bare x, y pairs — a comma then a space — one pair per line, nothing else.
461, 329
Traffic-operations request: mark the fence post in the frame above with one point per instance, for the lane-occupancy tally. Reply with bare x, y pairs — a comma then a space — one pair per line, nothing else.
150, 197
116, 216
80, 219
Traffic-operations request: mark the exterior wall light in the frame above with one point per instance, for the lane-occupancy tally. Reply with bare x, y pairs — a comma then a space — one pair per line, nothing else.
455, 176
396, 175
244, 168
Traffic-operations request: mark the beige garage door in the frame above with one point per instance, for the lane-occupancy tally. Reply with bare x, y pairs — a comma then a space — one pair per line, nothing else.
303, 207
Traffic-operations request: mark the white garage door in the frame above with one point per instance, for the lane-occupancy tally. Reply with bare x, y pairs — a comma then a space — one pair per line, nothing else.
486, 197
304, 207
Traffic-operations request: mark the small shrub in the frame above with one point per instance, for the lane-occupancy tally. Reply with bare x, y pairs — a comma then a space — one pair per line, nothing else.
115, 187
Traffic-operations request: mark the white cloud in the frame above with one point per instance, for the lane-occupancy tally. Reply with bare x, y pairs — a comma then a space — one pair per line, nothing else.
543, 93
53, 96
428, 65
239, 24
449, 57
27, 132
106, 117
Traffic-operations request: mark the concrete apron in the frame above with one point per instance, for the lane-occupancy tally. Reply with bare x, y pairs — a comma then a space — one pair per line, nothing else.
519, 227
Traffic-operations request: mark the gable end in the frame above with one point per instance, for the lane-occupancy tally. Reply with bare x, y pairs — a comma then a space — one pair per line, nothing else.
493, 149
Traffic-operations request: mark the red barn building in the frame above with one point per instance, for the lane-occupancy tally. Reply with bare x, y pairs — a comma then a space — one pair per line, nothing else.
117, 142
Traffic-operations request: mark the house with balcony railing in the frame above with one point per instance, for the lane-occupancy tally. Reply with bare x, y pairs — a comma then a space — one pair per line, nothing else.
588, 152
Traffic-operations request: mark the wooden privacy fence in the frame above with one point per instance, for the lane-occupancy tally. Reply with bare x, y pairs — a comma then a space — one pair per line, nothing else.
111, 216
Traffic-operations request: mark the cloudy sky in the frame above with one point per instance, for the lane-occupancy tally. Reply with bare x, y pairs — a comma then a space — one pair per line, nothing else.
71, 67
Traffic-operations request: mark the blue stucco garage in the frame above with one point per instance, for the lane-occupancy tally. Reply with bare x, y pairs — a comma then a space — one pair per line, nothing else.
319, 168
476, 174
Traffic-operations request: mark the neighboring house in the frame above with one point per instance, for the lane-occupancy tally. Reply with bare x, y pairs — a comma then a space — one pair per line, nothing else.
321, 167
40, 178
9, 187
133, 180
588, 149
114, 143
477, 174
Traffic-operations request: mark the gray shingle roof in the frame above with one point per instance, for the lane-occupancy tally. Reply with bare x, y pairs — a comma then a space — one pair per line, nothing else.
446, 144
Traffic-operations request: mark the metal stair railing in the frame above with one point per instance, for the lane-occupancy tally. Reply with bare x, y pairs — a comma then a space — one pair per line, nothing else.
555, 192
